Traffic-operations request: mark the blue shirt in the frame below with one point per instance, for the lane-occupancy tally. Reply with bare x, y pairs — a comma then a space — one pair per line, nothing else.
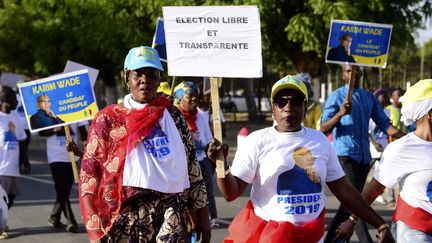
338, 54
41, 119
351, 132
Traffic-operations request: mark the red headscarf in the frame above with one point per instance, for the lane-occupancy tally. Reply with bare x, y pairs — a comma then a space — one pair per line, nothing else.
191, 118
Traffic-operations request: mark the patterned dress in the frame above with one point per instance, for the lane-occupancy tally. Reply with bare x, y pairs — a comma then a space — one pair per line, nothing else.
116, 213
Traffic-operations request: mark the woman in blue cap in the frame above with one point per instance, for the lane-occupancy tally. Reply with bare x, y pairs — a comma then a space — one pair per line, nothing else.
186, 97
140, 178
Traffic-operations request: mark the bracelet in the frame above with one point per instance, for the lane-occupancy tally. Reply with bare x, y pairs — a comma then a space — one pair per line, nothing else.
383, 226
353, 219
227, 171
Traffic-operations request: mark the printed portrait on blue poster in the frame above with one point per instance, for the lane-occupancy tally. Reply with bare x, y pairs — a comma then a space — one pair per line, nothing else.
58, 100
359, 43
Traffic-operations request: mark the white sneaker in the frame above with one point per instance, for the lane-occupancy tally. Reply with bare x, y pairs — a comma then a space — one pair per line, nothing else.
4, 236
380, 200
214, 223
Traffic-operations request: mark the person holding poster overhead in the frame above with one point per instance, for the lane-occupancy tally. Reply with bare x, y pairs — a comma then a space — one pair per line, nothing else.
349, 121
140, 180
186, 95
288, 166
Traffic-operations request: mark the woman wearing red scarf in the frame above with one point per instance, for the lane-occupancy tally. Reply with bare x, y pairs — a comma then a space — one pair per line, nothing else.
139, 176
288, 166
186, 98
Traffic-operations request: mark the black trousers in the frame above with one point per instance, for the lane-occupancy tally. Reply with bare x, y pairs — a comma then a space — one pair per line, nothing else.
63, 179
356, 173
208, 171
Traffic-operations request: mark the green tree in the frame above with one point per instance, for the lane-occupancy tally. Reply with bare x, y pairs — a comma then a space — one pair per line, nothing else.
306, 25
427, 58
295, 33
37, 37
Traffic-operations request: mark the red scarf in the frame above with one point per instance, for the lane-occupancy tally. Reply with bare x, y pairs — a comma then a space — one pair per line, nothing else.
101, 190
191, 118
139, 122
247, 227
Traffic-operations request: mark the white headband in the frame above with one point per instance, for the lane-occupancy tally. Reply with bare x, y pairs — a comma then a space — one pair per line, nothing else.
413, 111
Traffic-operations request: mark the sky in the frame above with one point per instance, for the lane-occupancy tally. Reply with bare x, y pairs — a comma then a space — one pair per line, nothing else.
425, 35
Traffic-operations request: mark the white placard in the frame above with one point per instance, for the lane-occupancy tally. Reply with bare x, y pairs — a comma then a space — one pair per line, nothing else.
74, 66
213, 41
11, 79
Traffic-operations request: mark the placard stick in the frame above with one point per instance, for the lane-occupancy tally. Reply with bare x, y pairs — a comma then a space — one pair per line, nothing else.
71, 155
350, 84
217, 126
173, 85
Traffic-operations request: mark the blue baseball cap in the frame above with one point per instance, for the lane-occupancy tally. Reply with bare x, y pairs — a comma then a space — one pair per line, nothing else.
143, 56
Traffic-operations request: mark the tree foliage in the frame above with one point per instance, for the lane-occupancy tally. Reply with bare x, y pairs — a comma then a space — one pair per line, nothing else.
37, 37
302, 27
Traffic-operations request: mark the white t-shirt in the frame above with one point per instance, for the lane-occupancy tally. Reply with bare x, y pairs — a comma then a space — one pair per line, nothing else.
281, 189
21, 114
159, 162
379, 136
203, 136
56, 144
408, 161
209, 117
9, 144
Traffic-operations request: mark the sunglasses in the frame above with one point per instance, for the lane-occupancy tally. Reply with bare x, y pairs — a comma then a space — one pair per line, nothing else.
281, 102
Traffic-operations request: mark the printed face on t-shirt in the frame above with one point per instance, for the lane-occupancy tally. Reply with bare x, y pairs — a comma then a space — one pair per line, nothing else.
302, 178
305, 160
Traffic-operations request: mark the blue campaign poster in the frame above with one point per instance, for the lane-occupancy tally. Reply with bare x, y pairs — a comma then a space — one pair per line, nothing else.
58, 100
359, 43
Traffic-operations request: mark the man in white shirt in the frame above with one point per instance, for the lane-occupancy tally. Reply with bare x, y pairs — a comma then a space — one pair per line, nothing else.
11, 134
60, 165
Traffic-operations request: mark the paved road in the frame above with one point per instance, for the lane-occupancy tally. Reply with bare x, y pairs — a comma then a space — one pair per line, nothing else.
28, 217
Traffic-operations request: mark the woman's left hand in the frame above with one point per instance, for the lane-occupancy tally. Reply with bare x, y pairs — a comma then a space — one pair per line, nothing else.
346, 230
385, 236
